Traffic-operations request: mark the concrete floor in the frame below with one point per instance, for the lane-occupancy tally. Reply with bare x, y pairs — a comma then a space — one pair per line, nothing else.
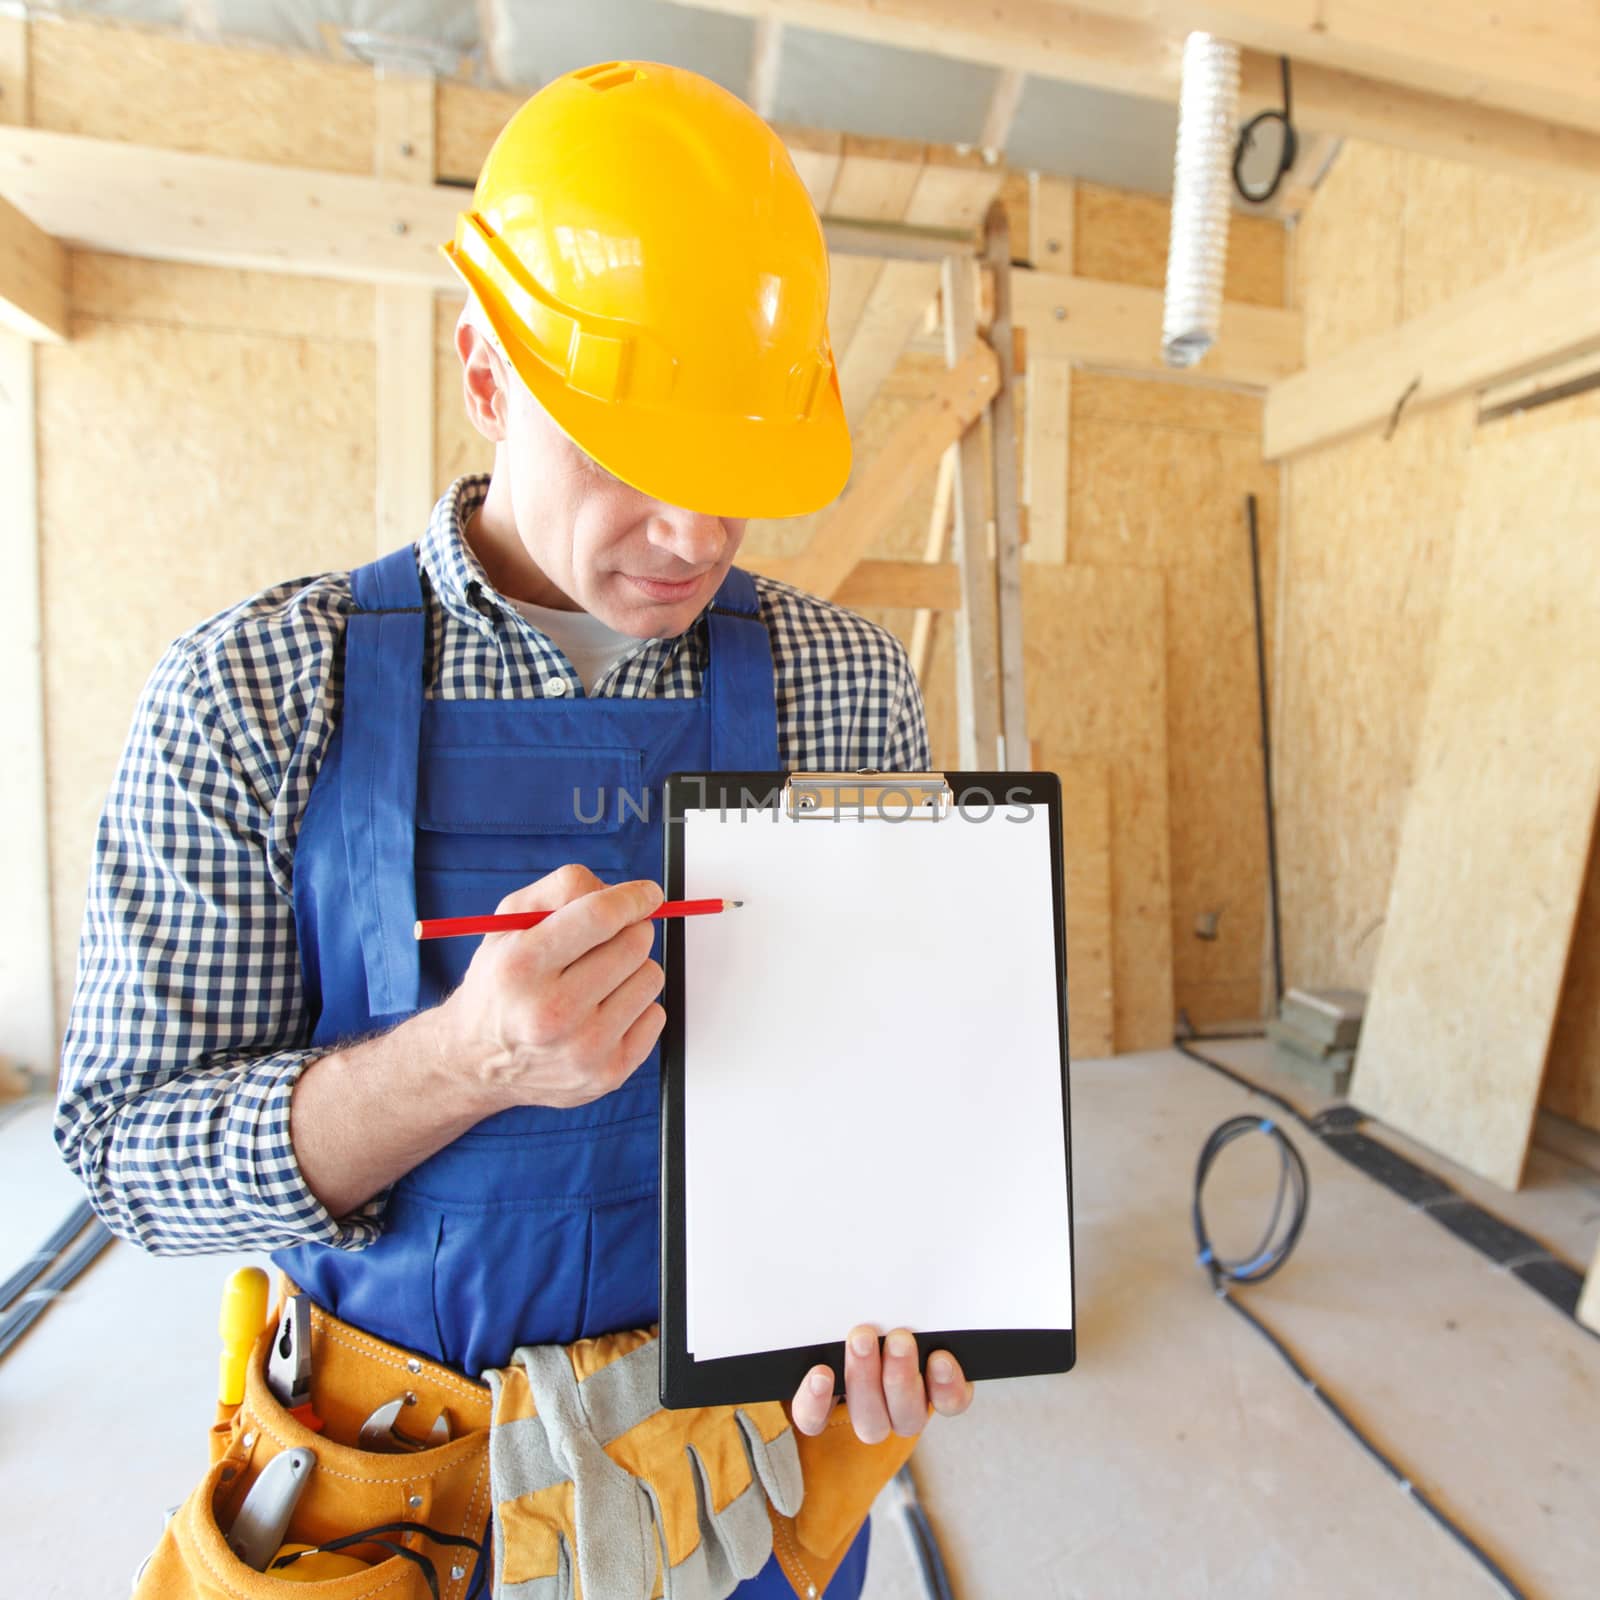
1181, 1459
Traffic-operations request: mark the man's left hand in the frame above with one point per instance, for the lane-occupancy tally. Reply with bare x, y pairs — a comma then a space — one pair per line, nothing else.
885, 1393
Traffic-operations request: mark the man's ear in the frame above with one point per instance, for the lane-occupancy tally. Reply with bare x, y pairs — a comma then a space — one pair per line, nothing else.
484, 382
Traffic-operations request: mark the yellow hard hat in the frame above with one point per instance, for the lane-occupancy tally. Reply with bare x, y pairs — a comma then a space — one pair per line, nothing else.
653, 268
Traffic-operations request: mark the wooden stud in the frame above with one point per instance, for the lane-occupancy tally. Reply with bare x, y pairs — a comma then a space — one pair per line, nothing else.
933, 550
977, 642
27, 975
1001, 112
883, 485
1007, 514
1047, 455
33, 279
1545, 311
1052, 208
406, 123
766, 52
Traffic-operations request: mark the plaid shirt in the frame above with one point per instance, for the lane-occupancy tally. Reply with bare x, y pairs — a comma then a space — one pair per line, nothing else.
189, 1027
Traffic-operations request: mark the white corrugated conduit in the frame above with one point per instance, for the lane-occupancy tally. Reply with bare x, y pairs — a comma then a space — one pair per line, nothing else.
1201, 199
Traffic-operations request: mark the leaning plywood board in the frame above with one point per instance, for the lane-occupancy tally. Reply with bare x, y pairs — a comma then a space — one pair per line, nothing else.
1086, 852
1496, 836
1572, 1076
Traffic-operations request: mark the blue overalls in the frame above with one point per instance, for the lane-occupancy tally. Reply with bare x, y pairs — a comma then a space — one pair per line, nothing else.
539, 1225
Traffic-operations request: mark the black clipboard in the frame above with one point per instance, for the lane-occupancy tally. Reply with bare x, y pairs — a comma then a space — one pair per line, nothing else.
776, 1374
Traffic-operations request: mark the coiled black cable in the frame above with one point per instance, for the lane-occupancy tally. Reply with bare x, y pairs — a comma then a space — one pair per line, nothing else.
1265, 1260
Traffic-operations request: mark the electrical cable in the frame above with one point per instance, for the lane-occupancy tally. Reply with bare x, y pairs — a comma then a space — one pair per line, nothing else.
1286, 154
1265, 1260
935, 1578
44, 1257
30, 1307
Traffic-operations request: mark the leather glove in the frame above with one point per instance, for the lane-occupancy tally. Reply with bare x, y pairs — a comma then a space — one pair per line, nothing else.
599, 1492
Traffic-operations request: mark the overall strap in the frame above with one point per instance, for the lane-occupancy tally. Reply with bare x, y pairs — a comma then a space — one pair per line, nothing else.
381, 722
740, 690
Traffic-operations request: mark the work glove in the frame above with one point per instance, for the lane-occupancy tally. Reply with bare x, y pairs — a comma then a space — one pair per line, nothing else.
599, 1492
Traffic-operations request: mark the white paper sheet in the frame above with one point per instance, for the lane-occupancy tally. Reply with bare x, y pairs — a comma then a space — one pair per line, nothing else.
873, 1080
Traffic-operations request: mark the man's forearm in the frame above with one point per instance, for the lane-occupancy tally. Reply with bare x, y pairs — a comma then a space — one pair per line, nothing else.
363, 1116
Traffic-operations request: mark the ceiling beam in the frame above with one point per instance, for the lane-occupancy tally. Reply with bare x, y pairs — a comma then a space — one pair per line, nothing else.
1537, 57
1545, 311
1137, 55
1002, 112
33, 279
766, 52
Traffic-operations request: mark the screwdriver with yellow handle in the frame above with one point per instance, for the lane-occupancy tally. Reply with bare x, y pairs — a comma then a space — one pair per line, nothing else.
244, 1315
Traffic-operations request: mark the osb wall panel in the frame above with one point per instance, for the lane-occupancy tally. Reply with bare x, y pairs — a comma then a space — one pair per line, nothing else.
1497, 828
469, 120
180, 470
1159, 475
156, 88
1123, 236
1370, 531
1095, 661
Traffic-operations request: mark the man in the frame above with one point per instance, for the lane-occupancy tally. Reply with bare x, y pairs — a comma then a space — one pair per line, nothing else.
454, 1149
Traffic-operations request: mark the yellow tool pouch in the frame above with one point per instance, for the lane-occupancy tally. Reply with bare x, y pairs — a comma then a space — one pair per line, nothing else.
445, 1489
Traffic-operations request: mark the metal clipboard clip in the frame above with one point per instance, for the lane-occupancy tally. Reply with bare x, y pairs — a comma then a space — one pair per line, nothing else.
889, 796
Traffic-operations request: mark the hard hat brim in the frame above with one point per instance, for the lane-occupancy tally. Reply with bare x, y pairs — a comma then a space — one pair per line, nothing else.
718, 465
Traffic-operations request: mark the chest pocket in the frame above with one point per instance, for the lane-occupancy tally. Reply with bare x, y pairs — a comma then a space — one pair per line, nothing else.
493, 819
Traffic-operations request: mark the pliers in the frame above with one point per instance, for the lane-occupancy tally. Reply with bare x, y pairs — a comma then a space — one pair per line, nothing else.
289, 1364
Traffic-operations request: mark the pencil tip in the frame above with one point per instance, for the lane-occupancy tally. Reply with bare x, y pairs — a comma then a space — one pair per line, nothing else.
733, 903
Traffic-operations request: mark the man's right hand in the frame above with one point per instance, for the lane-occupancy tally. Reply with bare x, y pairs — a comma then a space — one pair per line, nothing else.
564, 1012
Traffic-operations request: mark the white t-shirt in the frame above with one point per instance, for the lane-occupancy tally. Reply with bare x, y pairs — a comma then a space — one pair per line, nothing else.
589, 644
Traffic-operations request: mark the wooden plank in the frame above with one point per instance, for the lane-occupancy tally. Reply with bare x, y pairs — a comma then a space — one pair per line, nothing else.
1052, 210
1469, 975
1001, 112
1118, 325
1545, 311
933, 550
27, 976
874, 184
1004, 499
950, 196
766, 52
33, 279
882, 486
405, 151
168, 205
14, 108
1047, 446
883, 585
1103, 632
977, 628
816, 156
1086, 857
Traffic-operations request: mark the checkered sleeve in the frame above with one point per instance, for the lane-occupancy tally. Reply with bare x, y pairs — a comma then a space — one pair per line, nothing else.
189, 1027
907, 748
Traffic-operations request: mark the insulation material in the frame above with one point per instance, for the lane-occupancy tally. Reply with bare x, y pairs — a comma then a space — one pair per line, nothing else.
1159, 476
180, 470
1496, 838
1096, 675
158, 89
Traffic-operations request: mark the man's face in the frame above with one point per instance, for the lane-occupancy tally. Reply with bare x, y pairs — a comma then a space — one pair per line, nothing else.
640, 565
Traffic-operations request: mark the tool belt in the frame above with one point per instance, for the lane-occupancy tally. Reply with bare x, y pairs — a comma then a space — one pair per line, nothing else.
424, 1516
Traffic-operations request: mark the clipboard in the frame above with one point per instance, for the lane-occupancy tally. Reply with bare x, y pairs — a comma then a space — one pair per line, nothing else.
898, 963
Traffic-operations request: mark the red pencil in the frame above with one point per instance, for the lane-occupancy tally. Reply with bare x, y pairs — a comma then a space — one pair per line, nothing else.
454, 927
